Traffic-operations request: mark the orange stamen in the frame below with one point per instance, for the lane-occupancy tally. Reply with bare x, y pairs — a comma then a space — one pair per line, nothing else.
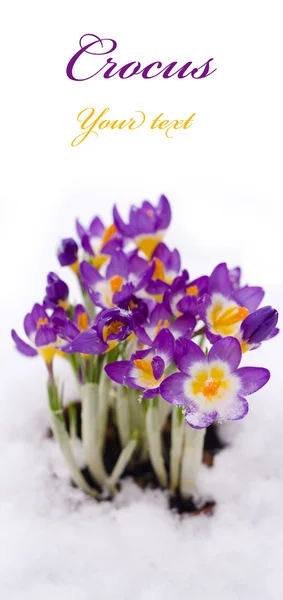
82, 321
116, 283
192, 290
232, 315
109, 233
144, 365
41, 322
114, 327
159, 272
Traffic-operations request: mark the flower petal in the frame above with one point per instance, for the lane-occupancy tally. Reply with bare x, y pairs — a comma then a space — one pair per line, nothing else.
186, 354
24, 348
164, 345
227, 349
252, 379
199, 420
236, 410
158, 366
250, 297
219, 280
172, 389
87, 342
119, 371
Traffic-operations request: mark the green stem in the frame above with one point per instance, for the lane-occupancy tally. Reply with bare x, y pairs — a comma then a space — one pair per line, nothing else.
191, 460
155, 441
177, 442
90, 432
123, 415
122, 462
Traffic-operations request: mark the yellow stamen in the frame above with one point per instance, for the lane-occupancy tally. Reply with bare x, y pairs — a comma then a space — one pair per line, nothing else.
149, 212
75, 267
64, 304
148, 244
41, 322
83, 321
114, 327
159, 272
192, 290
161, 324
116, 283
109, 233
99, 260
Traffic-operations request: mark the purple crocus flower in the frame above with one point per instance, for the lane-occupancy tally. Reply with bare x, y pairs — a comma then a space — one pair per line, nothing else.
223, 308
111, 327
57, 292
68, 254
183, 295
146, 225
114, 324
212, 387
146, 369
39, 330
160, 318
257, 327
98, 241
69, 329
119, 283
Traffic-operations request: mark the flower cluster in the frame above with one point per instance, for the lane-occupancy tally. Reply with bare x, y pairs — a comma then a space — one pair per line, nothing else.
143, 321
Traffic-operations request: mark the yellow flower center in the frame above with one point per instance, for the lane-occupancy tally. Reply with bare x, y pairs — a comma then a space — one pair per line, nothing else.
41, 322
210, 383
116, 283
192, 290
114, 327
82, 321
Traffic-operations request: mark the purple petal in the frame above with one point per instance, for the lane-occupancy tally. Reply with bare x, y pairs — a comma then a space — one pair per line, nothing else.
80, 229
188, 304
250, 297
126, 230
87, 342
201, 283
187, 353
89, 275
203, 305
164, 345
158, 367
252, 379
199, 420
151, 392
118, 265
143, 336
183, 325
228, 350
24, 348
162, 252
157, 287
236, 410
29, 325
45, 336
96, 227
163, 213
172, 389
159, 313
85, 241
125, 293
147, 275
219, 281
273, 333
259, 324
119, 371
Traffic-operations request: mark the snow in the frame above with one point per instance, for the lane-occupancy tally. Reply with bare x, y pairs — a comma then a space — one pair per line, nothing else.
56, 542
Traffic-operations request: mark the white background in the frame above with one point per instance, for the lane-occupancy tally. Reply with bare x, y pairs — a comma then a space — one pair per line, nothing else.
222, 176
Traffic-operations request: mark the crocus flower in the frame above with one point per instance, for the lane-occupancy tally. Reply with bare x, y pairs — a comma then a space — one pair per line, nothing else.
212, 387
257, 327
146, 369
68, 254
119, 278
222, 308
183, 295
146, 225
98, 241
57, 292
39, 330
160, 318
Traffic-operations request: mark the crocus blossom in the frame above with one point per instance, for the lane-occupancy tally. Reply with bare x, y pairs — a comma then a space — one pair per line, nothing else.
212, 387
